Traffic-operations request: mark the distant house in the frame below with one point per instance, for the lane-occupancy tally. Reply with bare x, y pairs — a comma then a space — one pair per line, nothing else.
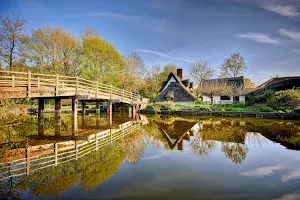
223, 90
279, 83
177, 90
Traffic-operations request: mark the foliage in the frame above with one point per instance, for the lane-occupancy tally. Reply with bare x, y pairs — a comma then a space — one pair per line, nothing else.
11, 32
134, 71
198, 101
201, 70
101, 61
285, 100
248, 83
233, 66
52, 50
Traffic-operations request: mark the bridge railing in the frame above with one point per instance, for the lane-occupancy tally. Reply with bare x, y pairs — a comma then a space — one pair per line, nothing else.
58, 85
62, 152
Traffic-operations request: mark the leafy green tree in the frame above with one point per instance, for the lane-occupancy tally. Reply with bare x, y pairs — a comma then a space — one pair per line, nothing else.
234, 66
134, 72
101, 61
248, 83
52, 50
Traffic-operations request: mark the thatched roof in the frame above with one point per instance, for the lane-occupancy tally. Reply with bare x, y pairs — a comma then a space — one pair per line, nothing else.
235, 81
279, 83
176, 91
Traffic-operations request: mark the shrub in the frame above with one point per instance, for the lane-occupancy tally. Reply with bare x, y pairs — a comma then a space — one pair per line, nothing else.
297, 110
285, 100
198, 101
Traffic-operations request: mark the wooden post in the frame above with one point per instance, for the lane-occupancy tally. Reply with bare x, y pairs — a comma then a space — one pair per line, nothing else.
96, 96
83, 107
56, 153
28, 160
57, 125
98, 107
38, 82
96, 138
77, 85
57, 85
131, 97
122, 95
13, 80
41, 130
76, 147
29, 84
41, 107
75, 110
57, 104
110, 92
180, 145
122, 130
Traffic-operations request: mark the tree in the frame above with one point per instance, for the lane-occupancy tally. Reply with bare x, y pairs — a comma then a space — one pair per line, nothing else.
201, 70
248, 83
134, 71
233, 66
101, 61
11, 32
167, 69
53, 50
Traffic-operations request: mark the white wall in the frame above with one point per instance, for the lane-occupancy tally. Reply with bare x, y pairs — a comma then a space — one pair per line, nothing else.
217, 100
170, 81
183, 103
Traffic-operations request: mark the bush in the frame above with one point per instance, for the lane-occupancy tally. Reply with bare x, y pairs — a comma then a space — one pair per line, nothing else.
285, 100
297, 110
198, 101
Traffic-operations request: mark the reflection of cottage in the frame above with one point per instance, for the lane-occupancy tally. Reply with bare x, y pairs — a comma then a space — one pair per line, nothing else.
222, 97
177, 90
176, 133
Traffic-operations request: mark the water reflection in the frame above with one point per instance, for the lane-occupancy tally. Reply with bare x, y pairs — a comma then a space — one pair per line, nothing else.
51, 158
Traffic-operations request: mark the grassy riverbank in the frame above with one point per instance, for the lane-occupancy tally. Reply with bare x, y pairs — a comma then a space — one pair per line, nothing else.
157, 107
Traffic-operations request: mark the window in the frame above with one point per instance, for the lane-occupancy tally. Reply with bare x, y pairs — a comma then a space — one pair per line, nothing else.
225, 98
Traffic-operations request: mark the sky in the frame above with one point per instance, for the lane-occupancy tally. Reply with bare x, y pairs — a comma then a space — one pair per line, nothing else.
265, 32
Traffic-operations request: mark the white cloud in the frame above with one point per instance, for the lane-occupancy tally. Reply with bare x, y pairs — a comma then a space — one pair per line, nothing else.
164, 55
294, 196
263, 171
287, 8
113, 15
259, 37
291, 176
289, 33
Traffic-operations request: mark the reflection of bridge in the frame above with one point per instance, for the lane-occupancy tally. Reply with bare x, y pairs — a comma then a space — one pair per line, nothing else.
46, 86
53, 154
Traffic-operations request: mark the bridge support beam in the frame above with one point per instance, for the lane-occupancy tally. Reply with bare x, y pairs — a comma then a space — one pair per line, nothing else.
75, 110
180, 145
98, 107
57, 125
41, 107
57, 106
83, 107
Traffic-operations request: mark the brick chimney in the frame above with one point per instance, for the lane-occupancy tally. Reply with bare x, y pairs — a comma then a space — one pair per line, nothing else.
180, 73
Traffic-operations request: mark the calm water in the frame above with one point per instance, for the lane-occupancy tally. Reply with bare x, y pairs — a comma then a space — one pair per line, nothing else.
152, 158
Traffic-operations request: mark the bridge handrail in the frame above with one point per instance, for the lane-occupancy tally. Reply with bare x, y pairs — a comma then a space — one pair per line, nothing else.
28, 79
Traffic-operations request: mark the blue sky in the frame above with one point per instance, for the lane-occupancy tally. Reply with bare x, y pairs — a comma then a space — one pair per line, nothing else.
265, 32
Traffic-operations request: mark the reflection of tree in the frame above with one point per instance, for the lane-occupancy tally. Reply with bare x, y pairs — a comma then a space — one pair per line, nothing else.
89, 171
7, 191
134, 147
235, 151
202, 147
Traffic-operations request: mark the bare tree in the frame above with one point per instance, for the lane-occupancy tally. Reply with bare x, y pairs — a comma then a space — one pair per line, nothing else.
201, 70
11, 33
233, 66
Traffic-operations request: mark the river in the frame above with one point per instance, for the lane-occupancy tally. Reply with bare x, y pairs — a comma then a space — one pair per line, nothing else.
149, 157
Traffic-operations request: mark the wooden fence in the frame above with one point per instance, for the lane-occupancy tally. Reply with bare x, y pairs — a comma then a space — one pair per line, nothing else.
62, 152
26, 84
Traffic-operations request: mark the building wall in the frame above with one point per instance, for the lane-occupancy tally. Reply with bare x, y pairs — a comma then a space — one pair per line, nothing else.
217, 100
183, 103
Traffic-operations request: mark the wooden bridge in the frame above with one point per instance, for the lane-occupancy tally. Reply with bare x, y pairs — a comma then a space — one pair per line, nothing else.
45, 86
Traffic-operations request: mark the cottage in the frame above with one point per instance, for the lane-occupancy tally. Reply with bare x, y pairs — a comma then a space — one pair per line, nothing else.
223, 91
177, 90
